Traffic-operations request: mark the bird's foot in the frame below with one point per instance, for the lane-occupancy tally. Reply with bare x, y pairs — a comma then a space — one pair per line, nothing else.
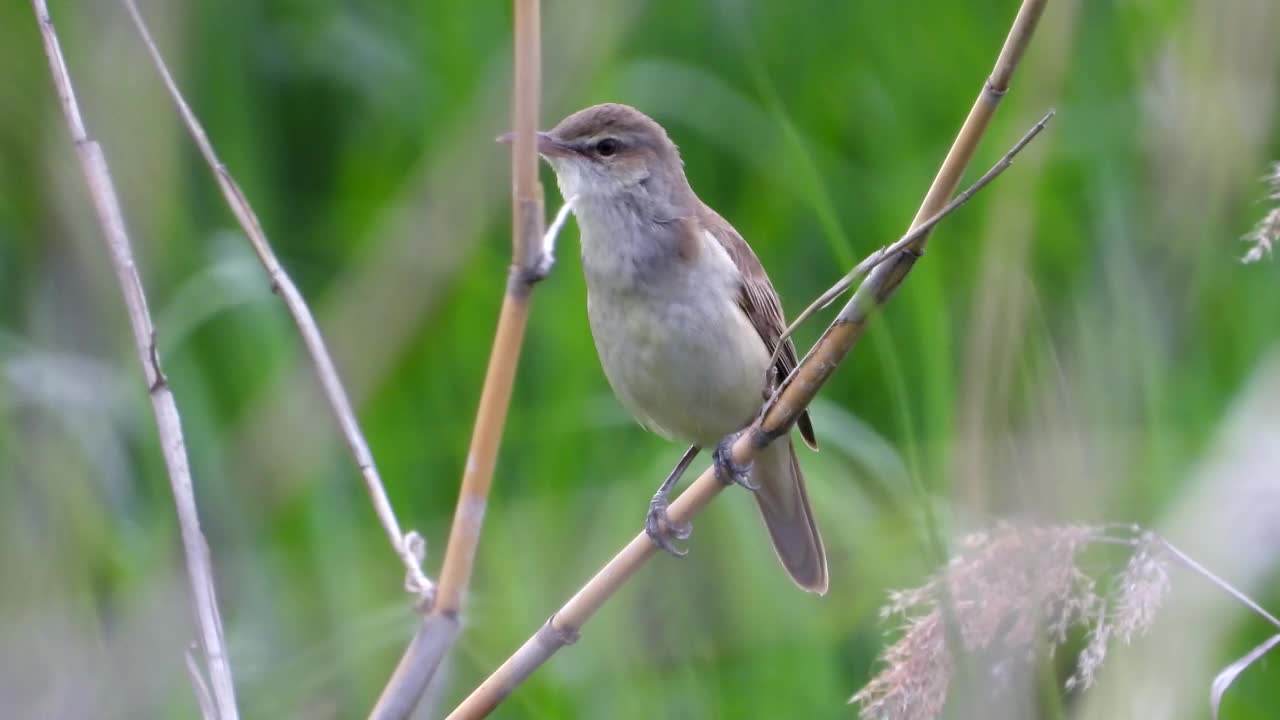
660, 529
728, 471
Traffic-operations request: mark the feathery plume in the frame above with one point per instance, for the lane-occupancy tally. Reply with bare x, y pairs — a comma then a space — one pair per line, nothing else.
1267, 232
1010, 591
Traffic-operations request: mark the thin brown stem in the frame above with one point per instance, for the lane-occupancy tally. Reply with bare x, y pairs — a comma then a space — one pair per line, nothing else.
1191, 564
870, 262
780, 414
529, 264
106, 205
327, 372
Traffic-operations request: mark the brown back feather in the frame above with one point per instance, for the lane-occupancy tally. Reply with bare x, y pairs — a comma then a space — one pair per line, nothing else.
760, 302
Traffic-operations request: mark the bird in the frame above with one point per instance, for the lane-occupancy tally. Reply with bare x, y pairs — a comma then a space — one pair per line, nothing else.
684, 319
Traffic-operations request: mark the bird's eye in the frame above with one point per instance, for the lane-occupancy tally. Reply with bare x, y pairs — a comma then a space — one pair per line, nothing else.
607, 147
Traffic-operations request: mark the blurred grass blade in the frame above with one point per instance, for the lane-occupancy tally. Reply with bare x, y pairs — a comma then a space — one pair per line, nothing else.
1223, 681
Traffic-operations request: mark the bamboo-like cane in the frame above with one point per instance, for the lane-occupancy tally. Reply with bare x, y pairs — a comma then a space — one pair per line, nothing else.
326, 370
788, 402
106, 204
436, 632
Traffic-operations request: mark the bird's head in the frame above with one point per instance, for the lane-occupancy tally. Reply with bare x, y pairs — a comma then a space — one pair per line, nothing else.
605, 151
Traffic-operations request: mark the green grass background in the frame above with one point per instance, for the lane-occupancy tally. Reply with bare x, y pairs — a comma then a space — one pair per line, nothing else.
1079, 344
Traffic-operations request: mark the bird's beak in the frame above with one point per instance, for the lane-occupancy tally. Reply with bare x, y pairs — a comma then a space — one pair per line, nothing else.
548, 146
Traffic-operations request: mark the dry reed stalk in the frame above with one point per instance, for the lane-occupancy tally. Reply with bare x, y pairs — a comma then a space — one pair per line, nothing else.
437, 631
788, 402
106, 205
408, 547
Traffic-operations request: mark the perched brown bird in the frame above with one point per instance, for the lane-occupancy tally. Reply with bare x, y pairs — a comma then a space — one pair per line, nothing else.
684, 317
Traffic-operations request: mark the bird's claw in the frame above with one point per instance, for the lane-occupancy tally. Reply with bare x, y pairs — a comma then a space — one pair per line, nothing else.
728, 471
660, 529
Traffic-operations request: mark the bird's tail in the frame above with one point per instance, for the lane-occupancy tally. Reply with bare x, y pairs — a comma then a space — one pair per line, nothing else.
785, 507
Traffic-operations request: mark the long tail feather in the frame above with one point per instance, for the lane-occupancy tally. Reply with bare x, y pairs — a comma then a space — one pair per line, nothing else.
785, 507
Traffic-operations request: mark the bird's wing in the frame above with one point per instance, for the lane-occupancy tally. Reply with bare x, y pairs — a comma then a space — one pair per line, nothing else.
759, 301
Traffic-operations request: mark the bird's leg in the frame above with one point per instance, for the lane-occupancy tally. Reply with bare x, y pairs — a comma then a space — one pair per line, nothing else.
657, 525
727, 471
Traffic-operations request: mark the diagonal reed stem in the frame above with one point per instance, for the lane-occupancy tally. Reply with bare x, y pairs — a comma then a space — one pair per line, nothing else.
327, 372
106, 204
780, 413
872, 261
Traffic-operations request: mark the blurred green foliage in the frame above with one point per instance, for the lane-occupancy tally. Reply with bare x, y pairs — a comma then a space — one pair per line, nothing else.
1072, 347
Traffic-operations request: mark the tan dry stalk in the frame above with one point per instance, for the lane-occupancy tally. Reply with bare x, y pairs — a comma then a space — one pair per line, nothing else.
336, 395
106, 205
786, 405
437, 631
